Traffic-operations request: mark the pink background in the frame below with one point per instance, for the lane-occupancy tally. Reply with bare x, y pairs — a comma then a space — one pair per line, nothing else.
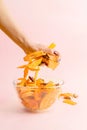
65, 23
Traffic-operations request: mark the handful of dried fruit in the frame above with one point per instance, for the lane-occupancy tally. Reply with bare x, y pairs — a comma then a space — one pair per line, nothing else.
34, 92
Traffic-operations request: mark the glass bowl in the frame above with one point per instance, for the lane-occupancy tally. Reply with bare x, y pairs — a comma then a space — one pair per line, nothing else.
38, 99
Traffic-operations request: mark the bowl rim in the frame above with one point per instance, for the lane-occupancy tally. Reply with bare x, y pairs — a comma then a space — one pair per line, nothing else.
57, 85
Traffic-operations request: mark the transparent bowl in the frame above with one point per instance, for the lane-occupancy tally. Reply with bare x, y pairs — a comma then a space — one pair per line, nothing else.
38, 99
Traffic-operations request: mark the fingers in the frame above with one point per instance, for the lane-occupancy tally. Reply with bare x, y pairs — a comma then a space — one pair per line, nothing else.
41, 47
48, 50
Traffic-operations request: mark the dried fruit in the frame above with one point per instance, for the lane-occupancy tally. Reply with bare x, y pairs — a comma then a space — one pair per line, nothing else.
34, 55
35, 93
69, 101
52, 45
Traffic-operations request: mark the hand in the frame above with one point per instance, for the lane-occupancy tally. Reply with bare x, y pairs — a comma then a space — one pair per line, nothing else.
36, 47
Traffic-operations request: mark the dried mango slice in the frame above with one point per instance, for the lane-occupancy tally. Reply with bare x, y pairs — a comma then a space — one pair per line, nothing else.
37, 68
23, 95
51, 60
24, 90
35, 63
21, 78
26, 72
49, 99
32, 69
67, 95
39, 81
50, 84
31, 104
52, 64
23, 66
31, 84
52, 45
37, 95
34, 55
22, 83
69, 101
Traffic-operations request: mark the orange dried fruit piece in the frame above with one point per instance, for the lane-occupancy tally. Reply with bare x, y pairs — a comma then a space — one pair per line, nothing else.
68, 98
26, 94
31, 84
52, 64
37, 95
35, 63
24, 90
68, 95
29, 67
30, 104
50, 84
22, 82
37, 68
23, 66
39, 81
52, 45
34, 55
49, 99
35, 77
21, 78
51, 60
26, 72
69, 101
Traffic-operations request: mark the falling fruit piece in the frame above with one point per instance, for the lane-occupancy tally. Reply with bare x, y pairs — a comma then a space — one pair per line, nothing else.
52, 45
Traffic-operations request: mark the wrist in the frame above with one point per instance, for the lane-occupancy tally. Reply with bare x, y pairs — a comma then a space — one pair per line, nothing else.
26, 45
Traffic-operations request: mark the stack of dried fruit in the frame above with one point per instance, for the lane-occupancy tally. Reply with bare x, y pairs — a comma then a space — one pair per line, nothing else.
34, 92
